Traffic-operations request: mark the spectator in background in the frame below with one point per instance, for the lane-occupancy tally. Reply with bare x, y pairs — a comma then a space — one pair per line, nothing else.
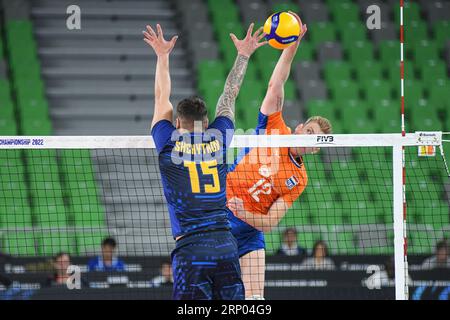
107, 261
165, 277
319, 259
440, 259
4, 280
289, 244
61, 263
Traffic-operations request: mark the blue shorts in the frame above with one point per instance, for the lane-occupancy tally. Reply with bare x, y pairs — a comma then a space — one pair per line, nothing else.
206, 267
248, 238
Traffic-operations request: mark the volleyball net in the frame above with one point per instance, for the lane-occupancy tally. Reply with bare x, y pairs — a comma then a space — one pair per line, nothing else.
67, 194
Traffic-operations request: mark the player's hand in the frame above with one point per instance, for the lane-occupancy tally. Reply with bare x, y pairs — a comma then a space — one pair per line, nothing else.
236, 205
250, 43
157, 41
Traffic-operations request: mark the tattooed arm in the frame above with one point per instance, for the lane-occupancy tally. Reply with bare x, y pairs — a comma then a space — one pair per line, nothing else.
274, 99
226, 104
246, 47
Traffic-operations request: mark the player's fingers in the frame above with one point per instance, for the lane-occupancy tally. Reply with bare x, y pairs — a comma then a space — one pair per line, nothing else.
148, 42
147, 35
260, 44
257, 32
151, 31
160, 32
233, 37
173, 40
296, 16
250, 30
305, 28
262, 35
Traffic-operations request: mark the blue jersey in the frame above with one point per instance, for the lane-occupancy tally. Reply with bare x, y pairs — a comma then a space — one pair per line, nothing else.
193, 172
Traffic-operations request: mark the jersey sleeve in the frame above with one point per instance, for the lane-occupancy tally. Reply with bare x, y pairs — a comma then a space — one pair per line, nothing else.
161, 133
273, 123
226, 128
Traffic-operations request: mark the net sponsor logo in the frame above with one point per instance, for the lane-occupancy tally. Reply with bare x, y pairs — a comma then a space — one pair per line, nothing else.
9, 142
325, 140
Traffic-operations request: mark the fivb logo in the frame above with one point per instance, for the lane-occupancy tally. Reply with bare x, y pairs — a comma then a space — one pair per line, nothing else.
325, 139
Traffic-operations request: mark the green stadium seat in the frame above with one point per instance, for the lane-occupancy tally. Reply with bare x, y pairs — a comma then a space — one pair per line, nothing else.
420, 242
425, 118
366, 70
411, 12
363, 212
354, 104
285, 6
439, 95
19, 243
425, 50
414, 92
7, 109
344, 11
5, 90
88, 214
385, 111
266, 69
441, 31
16, 213
209, 68
360, 51
344, 90
307, 239
51, 243
389, 50
431, 212
393, 72
8, 127
290, 90
321, 107
267, 54
305, 52
89, 241
321, 32
433, 70
352, 31
34, 127
337, 70
377, 90
50, 212
343, 242
326, 213
351, 110
342, 171
298, 214
415, 31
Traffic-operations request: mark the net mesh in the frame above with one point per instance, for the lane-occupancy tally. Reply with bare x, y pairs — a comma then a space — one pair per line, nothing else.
70, 200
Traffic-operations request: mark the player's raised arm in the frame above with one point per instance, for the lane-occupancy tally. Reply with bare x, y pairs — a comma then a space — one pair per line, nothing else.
162, 48
245, 48
273, 101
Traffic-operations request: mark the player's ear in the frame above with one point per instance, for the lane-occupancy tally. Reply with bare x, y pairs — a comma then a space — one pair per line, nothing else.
205, 123
177, 123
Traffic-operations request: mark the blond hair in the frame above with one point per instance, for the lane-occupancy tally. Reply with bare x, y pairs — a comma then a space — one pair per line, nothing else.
324, 124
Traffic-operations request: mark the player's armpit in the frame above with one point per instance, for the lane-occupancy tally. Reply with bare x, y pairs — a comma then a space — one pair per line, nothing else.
163, 111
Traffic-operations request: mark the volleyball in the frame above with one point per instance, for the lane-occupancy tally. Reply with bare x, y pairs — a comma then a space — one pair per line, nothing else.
282, 29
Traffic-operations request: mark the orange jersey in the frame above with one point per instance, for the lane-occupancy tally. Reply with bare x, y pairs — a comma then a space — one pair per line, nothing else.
263, 175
